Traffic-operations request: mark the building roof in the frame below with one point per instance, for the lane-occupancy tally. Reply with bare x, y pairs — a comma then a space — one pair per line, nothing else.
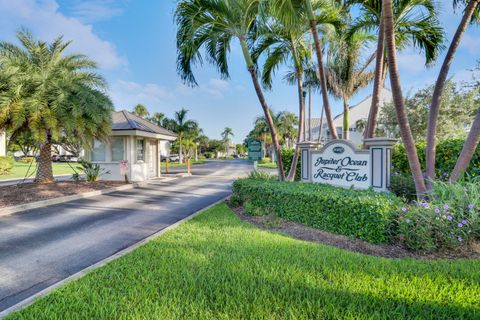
124, 120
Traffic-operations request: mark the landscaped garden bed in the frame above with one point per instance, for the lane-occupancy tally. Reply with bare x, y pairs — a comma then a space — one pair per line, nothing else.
219, 267
31, 192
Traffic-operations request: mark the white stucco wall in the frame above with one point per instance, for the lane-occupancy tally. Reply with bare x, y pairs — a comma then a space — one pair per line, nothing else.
3, 143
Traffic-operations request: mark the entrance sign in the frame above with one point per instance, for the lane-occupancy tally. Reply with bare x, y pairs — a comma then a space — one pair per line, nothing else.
254, 150
339, 163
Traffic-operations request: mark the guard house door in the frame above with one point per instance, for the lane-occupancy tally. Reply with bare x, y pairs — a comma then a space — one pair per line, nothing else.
152, 159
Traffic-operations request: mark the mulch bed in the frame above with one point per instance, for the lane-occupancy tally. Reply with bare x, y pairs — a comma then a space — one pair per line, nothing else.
32, 192
301, 232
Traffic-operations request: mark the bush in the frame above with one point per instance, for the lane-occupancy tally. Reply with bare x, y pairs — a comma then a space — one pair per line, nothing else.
402, 185
449, 221
446, 157
363, 214
6, 165
287, 157
92, 172
26, 160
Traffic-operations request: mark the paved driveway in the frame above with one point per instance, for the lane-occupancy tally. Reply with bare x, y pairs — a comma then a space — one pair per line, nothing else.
43, 246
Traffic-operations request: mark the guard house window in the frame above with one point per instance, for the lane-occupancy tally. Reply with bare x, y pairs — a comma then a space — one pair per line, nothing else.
140, 150
98, 151
118, 149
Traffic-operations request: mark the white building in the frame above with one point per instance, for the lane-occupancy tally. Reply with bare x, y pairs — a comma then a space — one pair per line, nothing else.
358, 112
135, 140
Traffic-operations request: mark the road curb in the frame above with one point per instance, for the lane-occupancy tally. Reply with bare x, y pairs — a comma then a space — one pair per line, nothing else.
45, 203
28, 301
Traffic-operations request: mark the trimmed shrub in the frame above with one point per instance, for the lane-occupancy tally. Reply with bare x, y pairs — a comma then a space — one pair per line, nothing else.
362, 214
287, 157
403, 185
6, 165
449, 221
446, 157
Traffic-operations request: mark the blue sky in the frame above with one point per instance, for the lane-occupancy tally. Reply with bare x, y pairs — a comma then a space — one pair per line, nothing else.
134, 43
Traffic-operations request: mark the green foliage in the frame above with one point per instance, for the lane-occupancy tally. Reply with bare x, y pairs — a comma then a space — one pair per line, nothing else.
26, 160
402, 185
92, 172
219, 267
449, 221
6, 165
363, 214
447, 155
287, 156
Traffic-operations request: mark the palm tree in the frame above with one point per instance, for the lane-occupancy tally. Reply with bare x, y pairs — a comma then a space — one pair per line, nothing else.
183, 128
213, 25
226, 134
157, 118
470, 15
345, 72
398, 100
287, 123
289, 12
416, 24
51, 94
141, 111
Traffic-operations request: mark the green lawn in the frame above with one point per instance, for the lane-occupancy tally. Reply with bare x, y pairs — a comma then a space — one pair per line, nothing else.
271, 165
20, 169
176, 164
218, 267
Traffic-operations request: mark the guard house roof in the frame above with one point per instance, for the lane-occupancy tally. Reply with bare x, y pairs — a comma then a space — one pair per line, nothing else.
124, 120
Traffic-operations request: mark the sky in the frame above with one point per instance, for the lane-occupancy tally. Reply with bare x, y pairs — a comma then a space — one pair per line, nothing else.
133, 42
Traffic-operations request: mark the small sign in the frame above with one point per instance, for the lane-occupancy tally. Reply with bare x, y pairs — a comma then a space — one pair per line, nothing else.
254, 150
339, 163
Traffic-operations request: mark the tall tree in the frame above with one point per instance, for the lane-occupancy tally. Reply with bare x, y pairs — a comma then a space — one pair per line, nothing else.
157, 118
51, 94
398, 99
416, 24
213, 25
226, 134
183, 128
470, 15
346, 72
141, 111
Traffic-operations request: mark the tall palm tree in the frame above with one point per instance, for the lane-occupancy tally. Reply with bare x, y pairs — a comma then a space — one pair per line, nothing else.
398, 99
51, 94
157, 118
183, 128
212, 25
416, 24
287, 123
345, 72
289, 12
226, 134
141, 111
471, 14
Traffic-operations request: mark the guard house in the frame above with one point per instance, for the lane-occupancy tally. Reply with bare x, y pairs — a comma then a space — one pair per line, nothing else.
136, 140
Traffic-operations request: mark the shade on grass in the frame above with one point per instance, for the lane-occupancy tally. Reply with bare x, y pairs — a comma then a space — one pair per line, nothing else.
218, 267
20, 170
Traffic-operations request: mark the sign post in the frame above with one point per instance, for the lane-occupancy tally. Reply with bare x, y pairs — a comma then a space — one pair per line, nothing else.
255, 152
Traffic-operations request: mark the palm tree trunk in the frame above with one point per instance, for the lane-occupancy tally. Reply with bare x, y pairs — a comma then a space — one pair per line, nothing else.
301, 124
320, 129
180, 149
402, 118
346, 119
321, 71
309, 113
377, 83
263, 103
468, 150
430, 151
44, 171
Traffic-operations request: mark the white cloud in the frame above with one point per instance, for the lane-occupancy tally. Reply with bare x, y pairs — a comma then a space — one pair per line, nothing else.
126, 94
45, 20
96, 10
214, 88
410, 61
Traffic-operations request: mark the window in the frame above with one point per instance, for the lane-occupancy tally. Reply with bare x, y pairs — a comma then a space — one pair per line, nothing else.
118, 149
140, 150
98, 151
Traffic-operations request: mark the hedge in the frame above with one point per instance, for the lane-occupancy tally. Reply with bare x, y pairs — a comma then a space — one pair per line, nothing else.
6, 165
362, 214
446, 157
287, 157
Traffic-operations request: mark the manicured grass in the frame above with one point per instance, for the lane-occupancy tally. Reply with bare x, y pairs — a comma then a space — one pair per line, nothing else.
20, 169
218, 267
270, 165
176, 164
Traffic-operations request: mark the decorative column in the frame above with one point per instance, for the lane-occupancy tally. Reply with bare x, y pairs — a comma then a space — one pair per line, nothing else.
3, 143
380, 162
306, 147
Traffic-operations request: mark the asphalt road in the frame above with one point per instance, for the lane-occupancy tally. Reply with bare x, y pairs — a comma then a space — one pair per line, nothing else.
43, 246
